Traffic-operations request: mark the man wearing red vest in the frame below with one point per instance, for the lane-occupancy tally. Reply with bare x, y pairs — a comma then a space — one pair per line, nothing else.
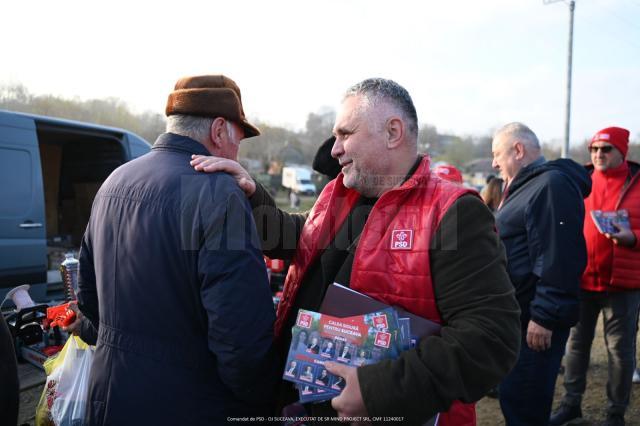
611, 282
389, 228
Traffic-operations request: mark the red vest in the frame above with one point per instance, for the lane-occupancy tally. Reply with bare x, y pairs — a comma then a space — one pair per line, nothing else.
611, 267
391, 261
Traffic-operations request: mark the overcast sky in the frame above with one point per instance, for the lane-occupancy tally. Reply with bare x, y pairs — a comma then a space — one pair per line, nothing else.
470, 65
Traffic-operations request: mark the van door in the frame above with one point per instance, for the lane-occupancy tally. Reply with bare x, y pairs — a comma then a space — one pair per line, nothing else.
23, 255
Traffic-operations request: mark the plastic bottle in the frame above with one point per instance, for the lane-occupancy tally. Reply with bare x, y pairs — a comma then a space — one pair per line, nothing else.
69, 271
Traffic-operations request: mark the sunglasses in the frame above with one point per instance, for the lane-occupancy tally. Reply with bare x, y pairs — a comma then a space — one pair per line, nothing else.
605, 149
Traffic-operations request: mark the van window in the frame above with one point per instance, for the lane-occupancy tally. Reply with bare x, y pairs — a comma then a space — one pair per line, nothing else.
16, 178
138, 147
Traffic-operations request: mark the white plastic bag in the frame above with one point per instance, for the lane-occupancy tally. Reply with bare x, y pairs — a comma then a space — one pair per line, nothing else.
67, 384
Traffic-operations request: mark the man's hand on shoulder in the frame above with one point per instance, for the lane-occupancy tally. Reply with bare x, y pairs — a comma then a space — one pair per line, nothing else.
538, 337
211, 164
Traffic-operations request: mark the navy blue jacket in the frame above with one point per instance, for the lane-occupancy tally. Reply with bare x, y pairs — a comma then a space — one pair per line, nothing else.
172, 277
540, 223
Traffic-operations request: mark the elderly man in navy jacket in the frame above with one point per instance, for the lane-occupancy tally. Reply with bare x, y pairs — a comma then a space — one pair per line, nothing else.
540, 223
172, 277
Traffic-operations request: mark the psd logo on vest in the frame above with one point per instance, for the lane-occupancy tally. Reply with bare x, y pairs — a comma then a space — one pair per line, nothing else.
401, 239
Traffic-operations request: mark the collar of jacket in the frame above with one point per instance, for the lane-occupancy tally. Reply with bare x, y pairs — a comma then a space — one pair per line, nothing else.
634, 167
574, 172
525, 173
179, 143
620, 172
419, 174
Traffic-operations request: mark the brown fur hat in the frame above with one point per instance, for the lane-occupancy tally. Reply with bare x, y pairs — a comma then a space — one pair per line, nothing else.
210, 96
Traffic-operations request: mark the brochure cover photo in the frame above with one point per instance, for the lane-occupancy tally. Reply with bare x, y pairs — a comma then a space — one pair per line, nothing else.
606, 221
357, 340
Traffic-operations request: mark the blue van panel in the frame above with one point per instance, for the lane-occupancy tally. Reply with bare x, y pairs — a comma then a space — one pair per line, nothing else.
22, 222
23, 244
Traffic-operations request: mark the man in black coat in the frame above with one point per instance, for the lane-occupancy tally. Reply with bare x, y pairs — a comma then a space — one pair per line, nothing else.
172, 277
540, 223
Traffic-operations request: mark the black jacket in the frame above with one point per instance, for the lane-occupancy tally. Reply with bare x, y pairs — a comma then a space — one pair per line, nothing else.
172, 277
540, 223
9, 389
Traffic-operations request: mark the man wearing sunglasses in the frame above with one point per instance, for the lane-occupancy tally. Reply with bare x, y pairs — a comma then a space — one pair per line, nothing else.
611, 281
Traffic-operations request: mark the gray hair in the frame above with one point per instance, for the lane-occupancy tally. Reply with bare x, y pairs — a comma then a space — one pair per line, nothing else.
520, 132
194, 127
376, 90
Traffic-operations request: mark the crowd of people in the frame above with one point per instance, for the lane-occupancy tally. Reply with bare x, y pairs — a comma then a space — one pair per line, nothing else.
174, 292
540, 215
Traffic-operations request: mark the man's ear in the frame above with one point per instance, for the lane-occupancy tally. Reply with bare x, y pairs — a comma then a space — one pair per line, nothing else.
395, 132
520, 151
217, 133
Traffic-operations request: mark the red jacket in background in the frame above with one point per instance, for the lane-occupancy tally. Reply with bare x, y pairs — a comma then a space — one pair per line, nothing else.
612, 267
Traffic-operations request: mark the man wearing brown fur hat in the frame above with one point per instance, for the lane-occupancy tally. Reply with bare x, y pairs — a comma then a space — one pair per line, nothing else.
172, 277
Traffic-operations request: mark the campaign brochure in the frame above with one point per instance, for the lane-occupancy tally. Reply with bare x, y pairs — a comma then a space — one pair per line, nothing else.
344, 302
604, 220
406, 342
310, 393
341, 301
356, 340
